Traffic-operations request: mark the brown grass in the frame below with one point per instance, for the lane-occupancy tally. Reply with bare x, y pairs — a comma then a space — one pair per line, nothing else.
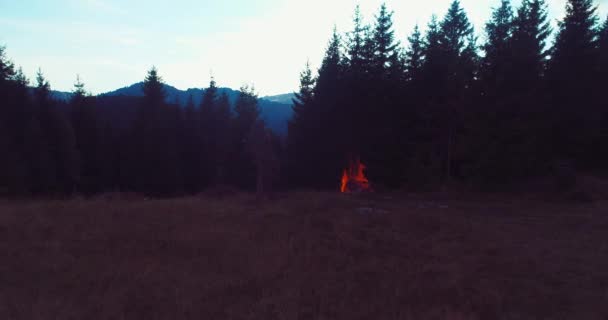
304, 256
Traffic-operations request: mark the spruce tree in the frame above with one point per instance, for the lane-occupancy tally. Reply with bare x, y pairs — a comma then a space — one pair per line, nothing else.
356, 42
241, 168
88, 142
7, 68
458, 42
300, 142
530, 53
154, 158
8, 133
572, 76
602, 46
224, 136
208, 133
59, 172
602, 67
414, 56
304, 98
386, 48
489, 140
459, 53
332, 116
191, 148
496, 62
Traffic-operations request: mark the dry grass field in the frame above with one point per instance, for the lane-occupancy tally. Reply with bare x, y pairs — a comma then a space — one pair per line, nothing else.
304, 256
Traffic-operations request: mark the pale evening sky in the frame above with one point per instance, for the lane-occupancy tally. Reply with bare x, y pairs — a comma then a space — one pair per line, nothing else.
112, 43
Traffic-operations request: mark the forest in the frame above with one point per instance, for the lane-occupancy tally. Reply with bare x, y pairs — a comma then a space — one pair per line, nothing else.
487, 109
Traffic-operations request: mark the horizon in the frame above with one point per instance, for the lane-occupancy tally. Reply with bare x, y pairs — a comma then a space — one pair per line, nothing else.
91, 39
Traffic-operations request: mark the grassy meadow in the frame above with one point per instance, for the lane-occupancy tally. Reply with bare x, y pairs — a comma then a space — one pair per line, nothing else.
306, 255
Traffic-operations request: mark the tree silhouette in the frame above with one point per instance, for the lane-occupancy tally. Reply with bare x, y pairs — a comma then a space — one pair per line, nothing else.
241, 167
88, 141
154, 157
414, 56
300, 145
574, 57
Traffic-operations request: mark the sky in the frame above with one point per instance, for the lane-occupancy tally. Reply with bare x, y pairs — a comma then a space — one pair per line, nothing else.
264, 43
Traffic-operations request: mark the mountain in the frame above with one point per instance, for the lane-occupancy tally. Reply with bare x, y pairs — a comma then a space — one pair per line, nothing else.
274, 110
281, 98
274, 113
61, 95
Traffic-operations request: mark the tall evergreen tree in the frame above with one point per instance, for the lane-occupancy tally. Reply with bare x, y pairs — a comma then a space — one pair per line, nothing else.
458, 47
224, 137
58, 169
356, 42
496, 62
191, 148
572, 75
154, 158
530, 53
602, 66
602, 45
493, 155
241, 169
414, 56
208, 133
386, 48
9, 161
88, 142
300, 142
332, 116
304, 98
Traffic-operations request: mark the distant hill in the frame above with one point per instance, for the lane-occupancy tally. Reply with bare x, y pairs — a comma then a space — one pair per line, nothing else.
281, 98
274, 113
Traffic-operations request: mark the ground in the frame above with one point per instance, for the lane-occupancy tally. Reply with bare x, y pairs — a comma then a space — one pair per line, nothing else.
304, 256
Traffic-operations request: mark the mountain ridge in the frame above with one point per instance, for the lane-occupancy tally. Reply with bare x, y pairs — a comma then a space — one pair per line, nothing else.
273, 109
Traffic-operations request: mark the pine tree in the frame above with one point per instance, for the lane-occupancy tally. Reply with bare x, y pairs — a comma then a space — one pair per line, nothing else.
88, 142
208, 101
433, 67
458, 50
300, 142
224, 137
572, 75
386, 49
530, 53
525, 135
154, 158
58, 165
304, 98
356, 43
191, 148
414, 56
9, 177
332, 116
602, 45
241, 169
208, 133
489, 139
496, 62
352, 94
602, 67
7, 68
458, 41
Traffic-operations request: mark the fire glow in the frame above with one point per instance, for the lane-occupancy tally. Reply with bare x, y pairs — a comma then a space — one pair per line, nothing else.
354, 179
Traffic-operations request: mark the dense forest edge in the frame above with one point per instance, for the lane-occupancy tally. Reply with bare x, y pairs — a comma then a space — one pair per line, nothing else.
528, 102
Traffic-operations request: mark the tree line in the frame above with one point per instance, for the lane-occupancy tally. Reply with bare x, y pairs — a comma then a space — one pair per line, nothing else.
524, 103
147, 145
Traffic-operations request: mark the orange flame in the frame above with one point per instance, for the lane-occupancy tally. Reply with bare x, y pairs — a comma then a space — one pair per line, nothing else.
354, 179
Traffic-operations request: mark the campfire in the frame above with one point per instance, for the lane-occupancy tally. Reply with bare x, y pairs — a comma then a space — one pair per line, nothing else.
354, 179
